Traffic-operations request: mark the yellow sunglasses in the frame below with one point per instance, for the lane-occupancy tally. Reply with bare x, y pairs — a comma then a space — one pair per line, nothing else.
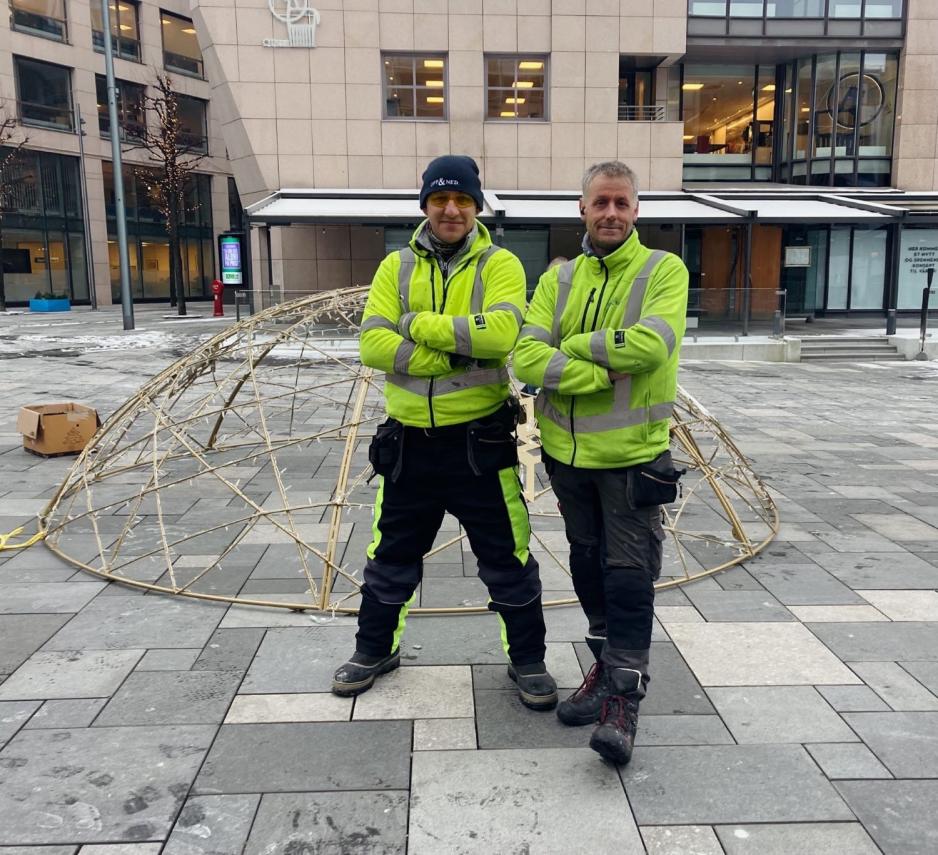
441, 200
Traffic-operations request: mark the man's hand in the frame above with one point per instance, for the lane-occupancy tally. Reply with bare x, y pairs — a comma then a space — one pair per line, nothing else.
617, 375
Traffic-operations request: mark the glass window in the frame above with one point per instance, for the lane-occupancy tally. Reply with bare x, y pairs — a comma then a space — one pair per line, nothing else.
844, 105
515, 87
414, 86
745, 8
883, 9
131, 108
136, 289
918, 251
760, 134
180, 46
877, 109
23, 192
825, 105
844, 9
868, 280
193, 122
40, 17
794, 9
25, 272
839, 274
44, 93
125, 31
718, 111
77, 267
707, 8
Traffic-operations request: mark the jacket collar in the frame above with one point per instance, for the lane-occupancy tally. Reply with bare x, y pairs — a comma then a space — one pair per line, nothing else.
475, 241
618, 258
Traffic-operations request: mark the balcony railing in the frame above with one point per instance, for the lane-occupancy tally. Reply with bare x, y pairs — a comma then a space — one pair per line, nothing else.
182, 64
38, 25
642, 113
45, 116
123, 47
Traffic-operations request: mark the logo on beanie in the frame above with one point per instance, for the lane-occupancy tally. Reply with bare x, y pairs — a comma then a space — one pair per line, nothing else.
444, 182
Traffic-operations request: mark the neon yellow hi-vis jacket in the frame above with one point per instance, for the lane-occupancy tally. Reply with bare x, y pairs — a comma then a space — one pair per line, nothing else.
623, 313
415, 321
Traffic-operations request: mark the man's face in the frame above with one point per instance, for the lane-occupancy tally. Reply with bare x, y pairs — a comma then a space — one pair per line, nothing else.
451, 215
609, 209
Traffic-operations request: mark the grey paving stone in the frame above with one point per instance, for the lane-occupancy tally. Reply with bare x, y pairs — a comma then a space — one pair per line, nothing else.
838, 760
168, 660
229, 650
680, 840
733, 654
299, 660
925, 672
13, 716
92, 788
777, 714
23, 635
841, 838
311, 706
456, 640
212, 825
297, 757
881, 570
899, 815
896, 686
72, 712
422, 691
502, 721
38, 850
853, 698
902, 605
171, 697
457, 793
120, 621
804, 584
366, 822
47, 597
70, 674
904, 741
745, 783
122, 849
879, 642
444, 734
738, 606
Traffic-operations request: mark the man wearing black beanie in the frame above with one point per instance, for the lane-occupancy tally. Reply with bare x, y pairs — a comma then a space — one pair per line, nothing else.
441, 318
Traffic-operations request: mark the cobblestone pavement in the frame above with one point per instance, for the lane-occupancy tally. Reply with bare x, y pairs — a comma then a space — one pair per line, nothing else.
793, 704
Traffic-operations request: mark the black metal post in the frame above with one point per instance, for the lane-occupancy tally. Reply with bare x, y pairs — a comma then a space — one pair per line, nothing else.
923, 321
892, 286
747, 281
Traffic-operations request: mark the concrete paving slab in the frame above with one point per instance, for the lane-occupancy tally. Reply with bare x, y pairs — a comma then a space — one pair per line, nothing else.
122, 849
310, 706
896, 686
171, 697
13, 716
444, 734
854, 761
663, 785
73, 712
212, 825
779, 714
70, 674
898, 815
853, 698
169, 660
372, 822
456, 794
299, 660
904, 605
836, 614
125, 788
732, 654
816, 838
422, 691
229, 650
23, 635
680, 840
879, 642
904, 741
297, 757
738, 606
881, 570
804, 584
47, 597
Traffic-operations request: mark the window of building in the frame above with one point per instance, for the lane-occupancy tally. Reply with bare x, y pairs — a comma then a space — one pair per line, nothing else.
44, 94
193, 122
414, 86
797, 9
637, 91
180, 46
516, 87
131, 108
125, 29
40, 17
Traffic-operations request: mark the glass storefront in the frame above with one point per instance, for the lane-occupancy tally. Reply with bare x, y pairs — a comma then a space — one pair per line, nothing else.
43, 231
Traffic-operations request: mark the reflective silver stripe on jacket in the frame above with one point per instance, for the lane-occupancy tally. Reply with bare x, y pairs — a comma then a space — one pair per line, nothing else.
402, 356
478, 286
378, 322
564, 284
508, 307
535, 331
663, 328
554, 370
461, 335
445, 385
621, 414
408, 262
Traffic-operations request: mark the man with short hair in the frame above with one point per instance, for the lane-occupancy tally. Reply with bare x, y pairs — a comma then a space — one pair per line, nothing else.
441, 318
601, 338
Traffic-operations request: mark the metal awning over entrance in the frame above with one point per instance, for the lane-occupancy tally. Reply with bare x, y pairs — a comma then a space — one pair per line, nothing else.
507, 208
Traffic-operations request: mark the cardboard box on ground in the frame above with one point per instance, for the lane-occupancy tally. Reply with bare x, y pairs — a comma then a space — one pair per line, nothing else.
57, 428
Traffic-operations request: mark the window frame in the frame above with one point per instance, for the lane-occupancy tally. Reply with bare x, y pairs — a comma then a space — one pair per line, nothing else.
97, 36
518, 58
70, 109
34, 31
414, 56
189, 145
125, 133
175, 69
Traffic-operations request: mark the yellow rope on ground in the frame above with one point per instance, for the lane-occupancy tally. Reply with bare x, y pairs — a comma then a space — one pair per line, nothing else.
39, 535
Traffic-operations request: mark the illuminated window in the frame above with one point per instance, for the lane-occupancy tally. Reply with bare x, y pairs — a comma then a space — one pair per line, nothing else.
516, 87
414, 86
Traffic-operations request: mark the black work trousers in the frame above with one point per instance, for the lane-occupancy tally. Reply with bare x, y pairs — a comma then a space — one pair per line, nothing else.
615, 557
436, 477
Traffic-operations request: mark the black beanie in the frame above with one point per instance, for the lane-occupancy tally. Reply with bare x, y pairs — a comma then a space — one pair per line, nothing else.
452, 173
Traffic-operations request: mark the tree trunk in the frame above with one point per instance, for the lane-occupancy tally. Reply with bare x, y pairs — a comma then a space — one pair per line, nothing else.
3, 291
176, 265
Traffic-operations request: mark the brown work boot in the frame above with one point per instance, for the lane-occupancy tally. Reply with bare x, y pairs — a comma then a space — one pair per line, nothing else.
614, 737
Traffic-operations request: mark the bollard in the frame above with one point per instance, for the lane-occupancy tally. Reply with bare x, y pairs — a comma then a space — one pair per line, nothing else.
218, 310
923, 320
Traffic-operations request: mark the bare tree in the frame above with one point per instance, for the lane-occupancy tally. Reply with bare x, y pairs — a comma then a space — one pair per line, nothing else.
174, 155
11, 176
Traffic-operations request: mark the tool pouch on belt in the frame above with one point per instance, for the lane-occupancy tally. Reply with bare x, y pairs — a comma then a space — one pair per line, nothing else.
386, 452
491, 444
654, 483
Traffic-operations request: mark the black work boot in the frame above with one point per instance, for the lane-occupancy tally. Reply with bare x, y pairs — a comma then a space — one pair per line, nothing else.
586, 703
614, 737
360, 672
536, 687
